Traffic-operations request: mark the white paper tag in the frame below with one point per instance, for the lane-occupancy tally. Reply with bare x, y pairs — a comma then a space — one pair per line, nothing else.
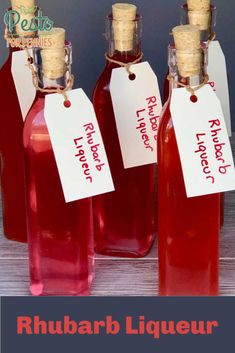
22, 77
137, 107
217, 72
78, 146
203, 142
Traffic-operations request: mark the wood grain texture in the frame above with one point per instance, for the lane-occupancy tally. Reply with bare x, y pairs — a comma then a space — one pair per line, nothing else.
113, 278
116, 277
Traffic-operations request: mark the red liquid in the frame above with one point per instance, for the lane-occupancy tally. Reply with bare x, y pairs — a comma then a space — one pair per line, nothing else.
188, 228
124, 219
60, 234
11, 153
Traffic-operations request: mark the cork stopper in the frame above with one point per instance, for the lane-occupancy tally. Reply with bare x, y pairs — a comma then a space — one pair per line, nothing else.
199, 13
198, 5
53, 58
201, 19
124, 16
187, 37
188, 50
26, 9
189, 64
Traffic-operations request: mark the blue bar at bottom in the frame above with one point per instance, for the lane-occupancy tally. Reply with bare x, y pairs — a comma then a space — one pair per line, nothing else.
122, 325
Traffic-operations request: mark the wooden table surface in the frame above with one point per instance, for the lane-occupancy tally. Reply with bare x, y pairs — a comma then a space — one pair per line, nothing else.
119, 277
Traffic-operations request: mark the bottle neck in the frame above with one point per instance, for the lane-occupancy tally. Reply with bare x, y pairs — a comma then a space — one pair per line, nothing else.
192, 80
125, 56
47, 83
121, 46
53, 67
50, 85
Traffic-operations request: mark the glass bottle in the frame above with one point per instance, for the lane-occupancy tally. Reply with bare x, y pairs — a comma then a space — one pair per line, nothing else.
124, 220
60, 234
188, 228
11, 155
206, 33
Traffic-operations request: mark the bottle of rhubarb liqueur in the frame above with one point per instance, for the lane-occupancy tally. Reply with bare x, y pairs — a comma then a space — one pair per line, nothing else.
203, 15
60, 234
11, 146
188, 228
124, 219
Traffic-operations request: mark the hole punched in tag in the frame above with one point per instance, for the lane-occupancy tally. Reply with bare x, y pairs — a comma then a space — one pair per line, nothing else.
193, 98
30, 60
132, 77
67, 103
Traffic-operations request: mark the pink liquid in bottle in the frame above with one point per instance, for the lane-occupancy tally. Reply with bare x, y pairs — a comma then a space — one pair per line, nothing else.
188, 228
60, 234
124, 220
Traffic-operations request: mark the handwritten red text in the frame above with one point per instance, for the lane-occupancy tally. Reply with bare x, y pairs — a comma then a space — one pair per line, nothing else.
81, 144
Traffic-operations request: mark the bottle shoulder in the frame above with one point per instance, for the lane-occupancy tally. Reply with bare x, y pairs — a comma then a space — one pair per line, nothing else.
166, 119
166, 134
35, 121
37, 108
101, 93
103, 81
